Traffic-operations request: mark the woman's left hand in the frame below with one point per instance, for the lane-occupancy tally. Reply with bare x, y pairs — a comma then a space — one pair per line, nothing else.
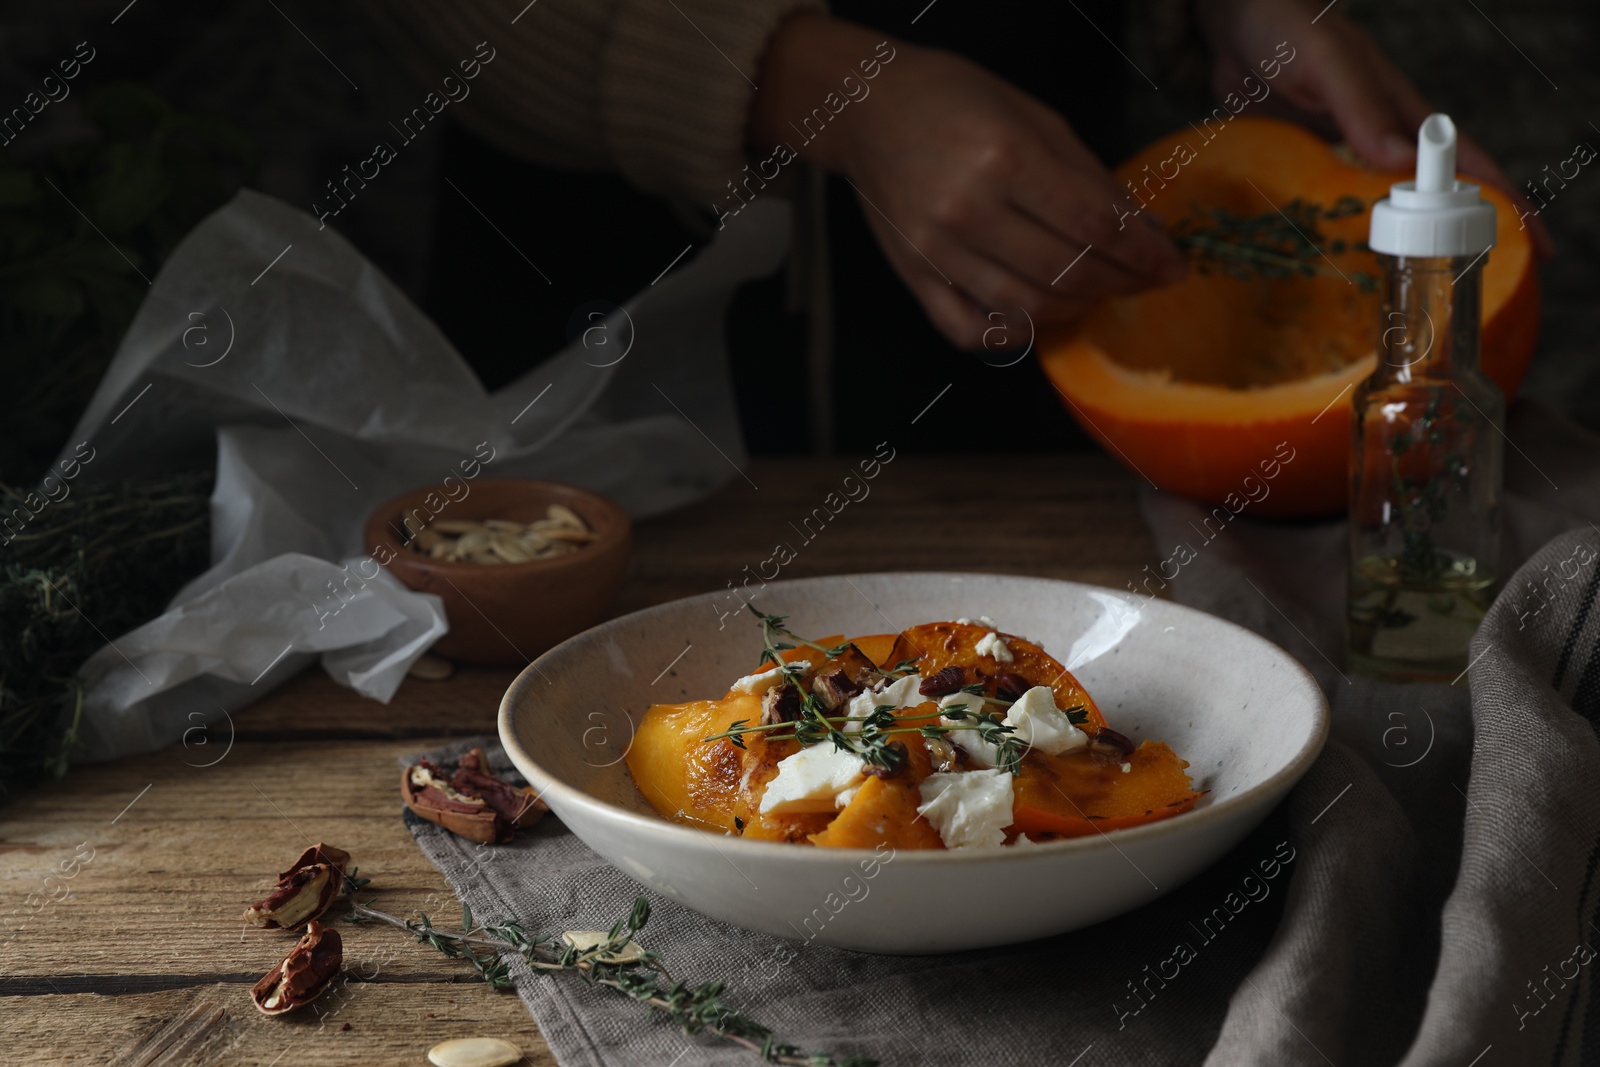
1340, 83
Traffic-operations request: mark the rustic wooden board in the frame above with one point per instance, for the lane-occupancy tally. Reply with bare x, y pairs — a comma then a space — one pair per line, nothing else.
141, 956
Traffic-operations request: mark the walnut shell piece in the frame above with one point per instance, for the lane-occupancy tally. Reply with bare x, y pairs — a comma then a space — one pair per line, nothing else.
471, 802
304, 892
305, 973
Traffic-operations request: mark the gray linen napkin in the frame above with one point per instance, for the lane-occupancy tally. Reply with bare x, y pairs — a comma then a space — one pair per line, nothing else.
1425, 896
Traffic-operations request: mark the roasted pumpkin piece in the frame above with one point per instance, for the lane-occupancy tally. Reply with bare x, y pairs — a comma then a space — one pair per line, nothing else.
937, 645
883, 812
1083, 793
790, 829
719, 786
879, 648
690, 779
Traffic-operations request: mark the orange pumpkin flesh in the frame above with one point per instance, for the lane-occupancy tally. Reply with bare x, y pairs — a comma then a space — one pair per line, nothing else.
717, 786
1196, 385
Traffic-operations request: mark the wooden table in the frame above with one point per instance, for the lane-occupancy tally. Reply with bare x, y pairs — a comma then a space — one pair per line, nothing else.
141, 957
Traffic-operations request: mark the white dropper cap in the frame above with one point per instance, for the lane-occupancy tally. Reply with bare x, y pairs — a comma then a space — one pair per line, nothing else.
1434, 215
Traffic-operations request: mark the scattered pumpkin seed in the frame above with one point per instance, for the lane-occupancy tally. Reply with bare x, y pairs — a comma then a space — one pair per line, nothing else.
431, 668
585, 940
474, 1052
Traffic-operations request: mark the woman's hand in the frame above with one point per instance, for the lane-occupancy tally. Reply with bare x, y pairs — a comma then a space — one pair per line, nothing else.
982, 198
1340, 82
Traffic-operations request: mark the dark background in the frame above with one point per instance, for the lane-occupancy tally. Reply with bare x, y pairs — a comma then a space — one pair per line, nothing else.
598, 240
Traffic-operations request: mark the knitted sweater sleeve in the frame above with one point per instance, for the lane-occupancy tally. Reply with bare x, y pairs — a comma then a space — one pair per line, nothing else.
658, 90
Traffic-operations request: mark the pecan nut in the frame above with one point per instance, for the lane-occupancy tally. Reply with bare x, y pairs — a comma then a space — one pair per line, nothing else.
896, 763
471, 801
304, 892
1111, 743
945, 755
305, 973
1011, 686
943, 682
780, 704
833, 687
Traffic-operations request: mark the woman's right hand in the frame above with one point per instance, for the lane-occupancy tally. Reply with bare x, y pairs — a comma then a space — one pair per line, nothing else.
982, 198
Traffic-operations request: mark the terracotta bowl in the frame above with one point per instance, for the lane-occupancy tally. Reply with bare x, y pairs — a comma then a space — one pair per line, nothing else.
506, 614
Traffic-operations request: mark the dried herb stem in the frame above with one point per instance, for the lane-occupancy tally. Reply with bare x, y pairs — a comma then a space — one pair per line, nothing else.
697, 1009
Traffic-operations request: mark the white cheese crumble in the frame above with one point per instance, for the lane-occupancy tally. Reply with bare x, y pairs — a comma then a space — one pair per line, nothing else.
900, 693
811, 779
964, 621
990, 623
977, 749
990, 644
970, 809
1041, 726
764, 680
1126, 767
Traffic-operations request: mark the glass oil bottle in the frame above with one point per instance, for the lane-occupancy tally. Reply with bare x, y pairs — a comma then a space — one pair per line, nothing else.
1426, 444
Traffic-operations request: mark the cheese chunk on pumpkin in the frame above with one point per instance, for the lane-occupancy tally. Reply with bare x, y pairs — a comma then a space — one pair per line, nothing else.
724, 788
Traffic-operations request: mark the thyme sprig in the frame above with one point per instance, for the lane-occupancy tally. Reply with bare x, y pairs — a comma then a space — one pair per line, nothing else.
1281, 243
643, 977
871, 741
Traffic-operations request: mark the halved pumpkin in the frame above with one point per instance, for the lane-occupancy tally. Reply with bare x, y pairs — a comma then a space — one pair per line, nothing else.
1199, 385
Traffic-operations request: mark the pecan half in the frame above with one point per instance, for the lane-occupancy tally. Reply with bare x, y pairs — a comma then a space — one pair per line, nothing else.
946, 755
1010, 686
898, 763
305, 973
306, 890
471, 802
781, 703
835, 686
943, 682
1111, 743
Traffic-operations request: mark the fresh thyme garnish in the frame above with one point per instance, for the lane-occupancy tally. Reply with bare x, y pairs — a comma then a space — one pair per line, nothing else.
1281, 243
872, 739
614, 961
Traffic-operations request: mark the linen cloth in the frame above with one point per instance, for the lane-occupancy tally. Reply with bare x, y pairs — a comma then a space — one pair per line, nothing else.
1427, 895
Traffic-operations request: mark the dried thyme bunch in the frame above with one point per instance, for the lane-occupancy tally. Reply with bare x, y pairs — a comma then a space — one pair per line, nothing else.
1285, 242
75, 572
610, 959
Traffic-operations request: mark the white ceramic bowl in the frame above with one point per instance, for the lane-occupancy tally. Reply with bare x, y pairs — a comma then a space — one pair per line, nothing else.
1247, 717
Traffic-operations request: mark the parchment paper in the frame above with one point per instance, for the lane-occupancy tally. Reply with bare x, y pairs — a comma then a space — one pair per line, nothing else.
320, 390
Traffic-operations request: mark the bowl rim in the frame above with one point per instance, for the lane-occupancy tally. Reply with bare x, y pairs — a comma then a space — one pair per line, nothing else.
547, 784
620, 532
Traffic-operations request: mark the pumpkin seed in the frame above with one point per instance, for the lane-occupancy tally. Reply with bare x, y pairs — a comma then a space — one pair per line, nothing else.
566, 517
504, 526
457, 526
567, 533
431, 668
472, 542
474, 1052
509, 550
586, 940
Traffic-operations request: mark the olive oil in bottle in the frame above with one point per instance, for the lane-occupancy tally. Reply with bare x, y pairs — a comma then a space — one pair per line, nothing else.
1426, 444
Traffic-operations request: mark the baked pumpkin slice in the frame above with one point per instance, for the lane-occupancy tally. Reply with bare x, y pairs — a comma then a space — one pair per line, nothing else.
949, 734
